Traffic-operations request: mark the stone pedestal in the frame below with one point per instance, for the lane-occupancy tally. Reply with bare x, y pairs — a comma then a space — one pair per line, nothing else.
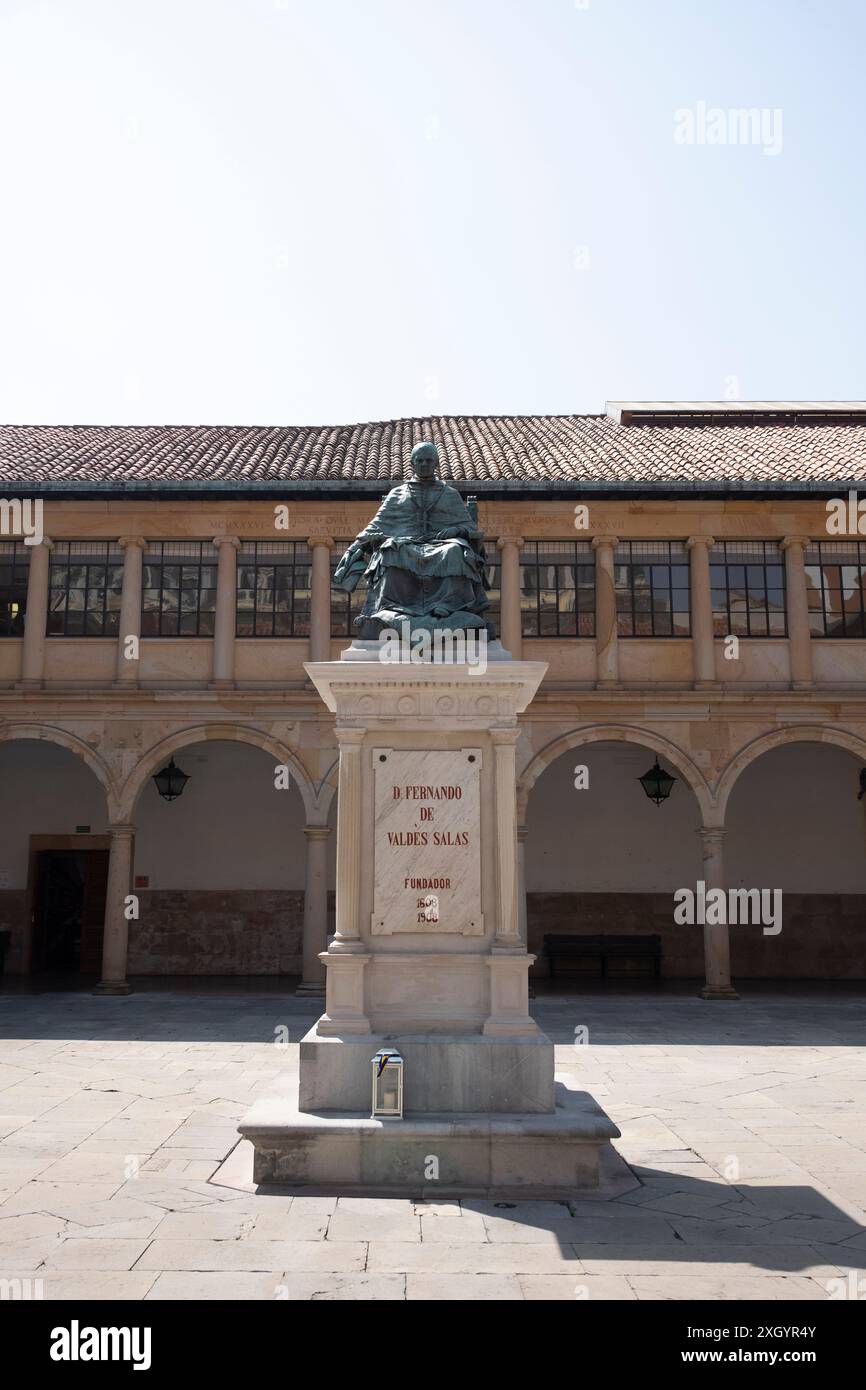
428, 956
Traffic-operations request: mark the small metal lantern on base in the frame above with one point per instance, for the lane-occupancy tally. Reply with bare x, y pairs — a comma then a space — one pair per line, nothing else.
387, 1085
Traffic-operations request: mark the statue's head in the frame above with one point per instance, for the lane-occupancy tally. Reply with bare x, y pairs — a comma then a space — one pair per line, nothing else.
425, 459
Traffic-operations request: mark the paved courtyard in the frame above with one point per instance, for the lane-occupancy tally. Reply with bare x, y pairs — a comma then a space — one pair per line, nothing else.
745, 1123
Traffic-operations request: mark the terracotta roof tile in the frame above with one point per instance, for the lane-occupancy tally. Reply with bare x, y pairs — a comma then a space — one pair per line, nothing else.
491, 450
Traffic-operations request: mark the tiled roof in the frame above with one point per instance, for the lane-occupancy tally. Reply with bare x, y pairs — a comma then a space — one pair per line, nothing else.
486, 451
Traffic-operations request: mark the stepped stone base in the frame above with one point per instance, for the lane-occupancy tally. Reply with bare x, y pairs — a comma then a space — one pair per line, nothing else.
460, 1154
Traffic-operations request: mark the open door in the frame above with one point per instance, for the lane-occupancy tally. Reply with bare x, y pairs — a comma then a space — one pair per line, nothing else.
69, 911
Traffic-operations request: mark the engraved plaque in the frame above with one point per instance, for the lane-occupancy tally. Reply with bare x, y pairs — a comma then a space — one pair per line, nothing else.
427, 869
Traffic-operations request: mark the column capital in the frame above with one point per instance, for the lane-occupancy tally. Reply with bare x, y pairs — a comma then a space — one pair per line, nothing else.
349, 737
522, 834
602, 540
227, 540
788, 542
313, 541
694, 541
503, 541
711, 834
48, 544
317, 832
504, 736
136, 542
121, 830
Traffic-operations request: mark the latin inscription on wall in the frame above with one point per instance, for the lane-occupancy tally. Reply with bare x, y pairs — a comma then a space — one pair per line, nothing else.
427, 869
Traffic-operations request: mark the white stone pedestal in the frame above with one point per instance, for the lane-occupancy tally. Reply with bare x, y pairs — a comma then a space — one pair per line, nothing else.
427, 955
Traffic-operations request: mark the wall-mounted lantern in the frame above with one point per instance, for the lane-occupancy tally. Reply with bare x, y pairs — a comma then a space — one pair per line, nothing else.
170, 782
387, 1085
657, 783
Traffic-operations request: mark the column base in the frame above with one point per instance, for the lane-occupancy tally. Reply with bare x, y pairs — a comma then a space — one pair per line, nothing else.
312, 988
112, 987
707, 685
608, 685
715, 992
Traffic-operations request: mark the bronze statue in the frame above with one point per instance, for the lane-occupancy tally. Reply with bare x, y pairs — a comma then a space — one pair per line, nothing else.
422, 556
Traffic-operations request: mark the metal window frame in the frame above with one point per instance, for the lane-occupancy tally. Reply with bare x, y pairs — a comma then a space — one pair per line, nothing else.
285, 555
345, 608
63, 555
758, 552
532, 559
155, 554
17, 555
824, 550
663, 558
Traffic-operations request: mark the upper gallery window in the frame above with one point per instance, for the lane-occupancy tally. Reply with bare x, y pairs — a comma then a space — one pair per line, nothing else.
14, 569
345, 608
557, 589
652, 589
273, 589
86, 579
748, 585
179, 580
835, 583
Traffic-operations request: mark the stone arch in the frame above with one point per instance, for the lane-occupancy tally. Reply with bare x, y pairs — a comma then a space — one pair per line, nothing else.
327, 788
159, 753
616, 733
777, 738
52, 733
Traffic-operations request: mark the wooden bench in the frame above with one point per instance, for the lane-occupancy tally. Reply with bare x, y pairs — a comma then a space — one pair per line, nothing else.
604, 949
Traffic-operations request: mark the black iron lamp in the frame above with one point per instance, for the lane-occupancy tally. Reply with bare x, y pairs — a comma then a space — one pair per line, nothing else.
170, 782
657, 783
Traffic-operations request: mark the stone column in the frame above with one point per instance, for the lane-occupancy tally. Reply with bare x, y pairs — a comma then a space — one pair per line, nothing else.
347, 936
505, 795
320, 598
799, 635
717, 946
703, 643
607, 655
508, 961
315, 909
346, 958
522, 833
130, 609
36, 616
226, 610
510, 623
116, 938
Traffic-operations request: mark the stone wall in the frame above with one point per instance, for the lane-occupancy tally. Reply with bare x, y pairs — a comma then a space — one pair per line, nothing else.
14, 918
823, 936
202, 932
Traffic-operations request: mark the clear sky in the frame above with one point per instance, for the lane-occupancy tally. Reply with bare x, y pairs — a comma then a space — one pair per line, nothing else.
314, 211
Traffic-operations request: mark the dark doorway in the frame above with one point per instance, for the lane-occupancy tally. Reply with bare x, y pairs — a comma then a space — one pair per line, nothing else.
70, 911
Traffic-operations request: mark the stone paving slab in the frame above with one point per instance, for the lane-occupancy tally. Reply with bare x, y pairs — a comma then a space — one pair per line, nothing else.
746, 1126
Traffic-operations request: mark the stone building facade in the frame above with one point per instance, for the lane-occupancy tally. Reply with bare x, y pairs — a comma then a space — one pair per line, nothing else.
676, 566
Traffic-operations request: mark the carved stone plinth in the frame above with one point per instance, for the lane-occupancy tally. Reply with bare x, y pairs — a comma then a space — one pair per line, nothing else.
428, 955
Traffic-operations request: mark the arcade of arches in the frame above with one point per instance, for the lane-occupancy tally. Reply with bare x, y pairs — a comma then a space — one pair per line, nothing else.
236, 876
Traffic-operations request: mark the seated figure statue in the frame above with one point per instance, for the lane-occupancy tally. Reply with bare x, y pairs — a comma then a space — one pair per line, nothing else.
422, 556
